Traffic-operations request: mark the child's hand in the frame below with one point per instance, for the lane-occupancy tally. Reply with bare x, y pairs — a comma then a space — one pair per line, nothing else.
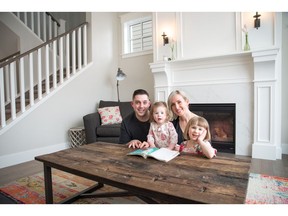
202, 135
177, 147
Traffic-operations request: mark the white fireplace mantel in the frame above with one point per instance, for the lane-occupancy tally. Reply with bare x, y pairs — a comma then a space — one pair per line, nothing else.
248, 79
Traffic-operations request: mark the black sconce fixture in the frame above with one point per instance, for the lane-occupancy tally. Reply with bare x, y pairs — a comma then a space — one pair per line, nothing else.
165, 39
257, 20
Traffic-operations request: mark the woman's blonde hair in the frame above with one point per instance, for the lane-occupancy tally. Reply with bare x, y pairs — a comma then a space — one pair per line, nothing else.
200, 121
159, 104
169, 101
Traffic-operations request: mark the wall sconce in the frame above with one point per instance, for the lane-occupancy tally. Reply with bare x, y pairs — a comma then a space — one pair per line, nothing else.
257, 20
165, 39
120, 76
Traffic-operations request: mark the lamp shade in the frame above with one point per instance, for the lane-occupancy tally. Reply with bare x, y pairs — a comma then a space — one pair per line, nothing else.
120, 75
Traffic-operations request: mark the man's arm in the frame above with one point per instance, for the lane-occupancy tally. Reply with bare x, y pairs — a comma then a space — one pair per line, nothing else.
126, 138
124, 135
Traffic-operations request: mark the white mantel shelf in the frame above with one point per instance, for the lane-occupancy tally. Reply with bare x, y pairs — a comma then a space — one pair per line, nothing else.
249, 79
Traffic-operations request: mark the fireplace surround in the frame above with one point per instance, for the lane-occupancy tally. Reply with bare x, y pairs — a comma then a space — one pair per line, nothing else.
248, 79
221, 119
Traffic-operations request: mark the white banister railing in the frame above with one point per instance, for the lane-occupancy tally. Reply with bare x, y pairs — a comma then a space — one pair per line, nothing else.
33, 21
26, 78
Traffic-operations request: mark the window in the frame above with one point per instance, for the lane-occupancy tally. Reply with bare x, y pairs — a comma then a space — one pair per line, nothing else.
137, 35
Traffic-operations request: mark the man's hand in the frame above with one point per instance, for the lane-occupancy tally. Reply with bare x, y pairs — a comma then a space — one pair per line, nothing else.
134, 144
144, 145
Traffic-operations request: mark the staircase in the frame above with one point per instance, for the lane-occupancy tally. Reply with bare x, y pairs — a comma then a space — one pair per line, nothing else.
29, 78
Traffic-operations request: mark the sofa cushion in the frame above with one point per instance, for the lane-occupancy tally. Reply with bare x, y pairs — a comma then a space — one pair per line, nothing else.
125, 107
110, 115
108, 130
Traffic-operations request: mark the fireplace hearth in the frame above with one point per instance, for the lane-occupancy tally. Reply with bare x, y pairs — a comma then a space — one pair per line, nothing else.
221, 118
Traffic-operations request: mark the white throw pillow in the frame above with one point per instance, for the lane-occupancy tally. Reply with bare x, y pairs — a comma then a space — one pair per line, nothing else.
110, 115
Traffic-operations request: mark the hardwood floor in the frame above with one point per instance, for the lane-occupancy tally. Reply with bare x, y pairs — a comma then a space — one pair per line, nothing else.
15, 172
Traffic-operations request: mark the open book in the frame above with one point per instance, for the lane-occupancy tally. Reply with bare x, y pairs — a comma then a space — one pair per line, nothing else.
162, 154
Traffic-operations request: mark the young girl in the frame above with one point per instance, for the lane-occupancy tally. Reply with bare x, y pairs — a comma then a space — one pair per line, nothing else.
162, 132
197, 135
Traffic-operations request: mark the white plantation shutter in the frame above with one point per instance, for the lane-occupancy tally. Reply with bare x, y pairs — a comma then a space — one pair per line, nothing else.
137, 34
141, 36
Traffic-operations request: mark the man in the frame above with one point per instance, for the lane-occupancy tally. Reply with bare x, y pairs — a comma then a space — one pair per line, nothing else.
135, 127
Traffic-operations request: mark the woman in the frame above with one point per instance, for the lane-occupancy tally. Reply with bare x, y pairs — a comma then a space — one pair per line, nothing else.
178, 103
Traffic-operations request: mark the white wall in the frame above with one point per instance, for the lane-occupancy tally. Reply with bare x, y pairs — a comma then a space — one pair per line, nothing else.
136, 68
138, 76
46, 128
284, 82
9, 41
27, 38
206, 35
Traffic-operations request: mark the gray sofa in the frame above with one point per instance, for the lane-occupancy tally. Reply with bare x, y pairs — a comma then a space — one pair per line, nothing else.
95, 132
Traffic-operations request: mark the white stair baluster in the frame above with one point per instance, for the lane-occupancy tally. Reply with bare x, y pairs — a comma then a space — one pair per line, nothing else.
25, 18
7, 83
31, 79
22, 85
12, 90
47, 84
79, 49
39, 74
85, 45
73, 53
67, 56
32, 21
61, 59
44, 27
54, 64
55, 29
50, 27
38, 24
2, 98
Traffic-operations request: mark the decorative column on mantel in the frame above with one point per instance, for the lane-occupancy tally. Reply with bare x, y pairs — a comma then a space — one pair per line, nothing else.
267, 105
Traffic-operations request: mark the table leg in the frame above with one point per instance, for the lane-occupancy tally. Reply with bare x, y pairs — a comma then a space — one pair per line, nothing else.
48, 184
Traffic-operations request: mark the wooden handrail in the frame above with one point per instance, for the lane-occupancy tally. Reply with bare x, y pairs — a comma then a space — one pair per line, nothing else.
53, 18
40, 46
10, 56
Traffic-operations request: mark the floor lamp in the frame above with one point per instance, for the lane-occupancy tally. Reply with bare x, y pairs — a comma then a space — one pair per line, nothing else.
120, 76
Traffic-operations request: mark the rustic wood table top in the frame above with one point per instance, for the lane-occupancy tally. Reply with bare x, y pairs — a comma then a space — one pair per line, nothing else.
185, 179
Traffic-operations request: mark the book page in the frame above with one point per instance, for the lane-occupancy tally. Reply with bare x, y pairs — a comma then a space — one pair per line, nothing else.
164, 154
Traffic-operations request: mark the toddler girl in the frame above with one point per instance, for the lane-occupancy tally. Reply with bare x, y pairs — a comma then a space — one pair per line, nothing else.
197, 137
162, 132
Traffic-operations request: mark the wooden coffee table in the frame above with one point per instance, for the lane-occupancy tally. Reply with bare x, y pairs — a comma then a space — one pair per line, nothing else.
185, 179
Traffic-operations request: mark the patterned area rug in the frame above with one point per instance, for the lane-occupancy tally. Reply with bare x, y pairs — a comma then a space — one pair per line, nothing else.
264, 189
30, 190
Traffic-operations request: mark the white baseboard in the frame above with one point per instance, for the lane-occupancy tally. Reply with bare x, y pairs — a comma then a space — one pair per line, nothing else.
284, 148
21, 157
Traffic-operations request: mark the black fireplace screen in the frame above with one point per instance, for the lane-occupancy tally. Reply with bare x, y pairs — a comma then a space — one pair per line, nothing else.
221, 118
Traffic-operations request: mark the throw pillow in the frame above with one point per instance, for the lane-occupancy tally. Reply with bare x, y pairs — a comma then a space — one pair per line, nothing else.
110, 115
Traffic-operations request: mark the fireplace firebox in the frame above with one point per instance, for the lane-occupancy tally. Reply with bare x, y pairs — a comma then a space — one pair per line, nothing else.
221, 118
